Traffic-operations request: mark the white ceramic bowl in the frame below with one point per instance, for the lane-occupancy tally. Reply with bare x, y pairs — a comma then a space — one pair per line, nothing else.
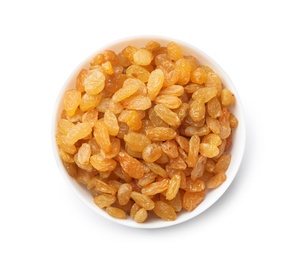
237, 150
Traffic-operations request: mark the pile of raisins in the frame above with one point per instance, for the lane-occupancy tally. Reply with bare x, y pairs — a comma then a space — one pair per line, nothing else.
147, 131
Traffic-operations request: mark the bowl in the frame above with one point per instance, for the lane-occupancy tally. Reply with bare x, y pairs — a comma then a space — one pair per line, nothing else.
237, 149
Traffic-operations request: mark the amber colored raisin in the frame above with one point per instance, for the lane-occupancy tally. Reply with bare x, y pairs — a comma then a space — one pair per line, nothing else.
148, 178
116, 212
192, 199
193, 151
214, 107
168, 101
130, 86
143, 200
104, 200
156, 187
174, 51
167, 115
139, 102
124, 193
173, 188
170, 148
216, 180
72, 99
136, 141
152, 45
151, 153
78, 132
183, 66
89, 102
155, 83
130, 165
161, 133
94, 83
199, 76
195, 185
101, 135
141, 215
107, 67
199, 168
223, 163
213, 80
143, 57
131, 118
208, 150
139, 72
197, 110
174, 90
164, 210
80, 80
157, 169
101, 163
227, 97
233, 121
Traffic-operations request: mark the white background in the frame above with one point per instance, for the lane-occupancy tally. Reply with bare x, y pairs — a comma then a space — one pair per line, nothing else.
43, 41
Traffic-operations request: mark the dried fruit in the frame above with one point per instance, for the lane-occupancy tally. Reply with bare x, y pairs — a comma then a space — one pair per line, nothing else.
216, 180
199, 168
151, 153
101, 135
124, 193
84, 154
192, 199
141, 215
139, 72
173, 188
111, 122
164, 211
94, 83
130, 165
193, 151
89, 102
156, 187
155, 83
170, 148
199, 76
197, 110
129, 88
116, 212
78, 132
101, 163
139, 102
208, 150
161, 133
195, 185
142, 200
80, 80
174, 90
157, 169
168, 101
167, 115
104, 200
222, 164
136, 141
143, 57
227, 97
72, 99
174, 51
147, 130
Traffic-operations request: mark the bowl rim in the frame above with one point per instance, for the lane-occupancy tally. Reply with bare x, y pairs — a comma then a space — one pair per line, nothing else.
241, 131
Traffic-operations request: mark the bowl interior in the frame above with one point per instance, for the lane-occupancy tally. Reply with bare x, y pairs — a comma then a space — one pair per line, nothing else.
237, 150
